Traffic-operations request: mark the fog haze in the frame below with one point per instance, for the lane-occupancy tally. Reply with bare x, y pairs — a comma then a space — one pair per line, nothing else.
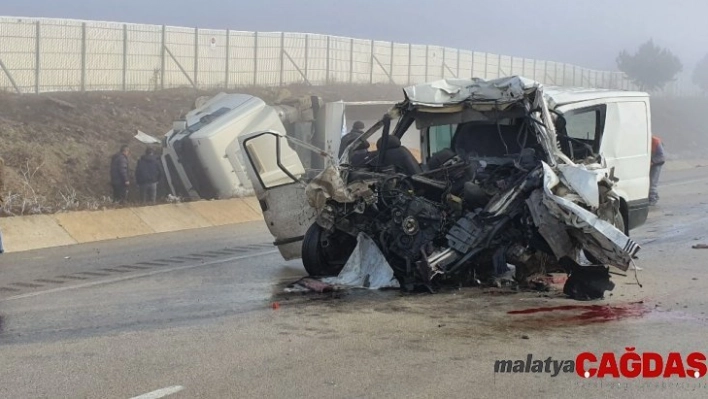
588, 34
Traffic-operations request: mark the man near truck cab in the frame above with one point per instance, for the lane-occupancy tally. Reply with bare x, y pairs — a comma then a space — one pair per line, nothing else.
147, 175
354, 134
657, 161
119, 175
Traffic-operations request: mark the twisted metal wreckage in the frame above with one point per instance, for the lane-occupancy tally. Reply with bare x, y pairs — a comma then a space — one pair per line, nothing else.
503, 197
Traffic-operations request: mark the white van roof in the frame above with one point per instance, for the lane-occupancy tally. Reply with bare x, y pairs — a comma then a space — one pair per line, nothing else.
558, 96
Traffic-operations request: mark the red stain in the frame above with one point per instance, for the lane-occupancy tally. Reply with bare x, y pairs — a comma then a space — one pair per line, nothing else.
592, 313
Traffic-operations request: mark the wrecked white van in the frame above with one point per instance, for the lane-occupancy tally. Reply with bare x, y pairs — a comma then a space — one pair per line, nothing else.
512, 174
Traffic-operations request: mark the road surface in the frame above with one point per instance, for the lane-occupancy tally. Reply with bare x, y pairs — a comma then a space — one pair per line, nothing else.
190, 315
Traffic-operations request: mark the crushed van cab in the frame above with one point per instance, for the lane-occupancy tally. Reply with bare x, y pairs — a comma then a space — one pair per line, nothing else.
515, 180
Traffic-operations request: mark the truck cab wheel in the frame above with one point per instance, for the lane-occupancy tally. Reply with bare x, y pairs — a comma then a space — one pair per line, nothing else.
325, 254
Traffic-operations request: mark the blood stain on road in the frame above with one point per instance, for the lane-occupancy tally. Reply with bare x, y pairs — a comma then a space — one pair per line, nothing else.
590, 313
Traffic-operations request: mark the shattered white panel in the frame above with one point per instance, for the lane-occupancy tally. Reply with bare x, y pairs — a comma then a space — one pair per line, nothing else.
598, 237
146, 138
366, 268
583, 182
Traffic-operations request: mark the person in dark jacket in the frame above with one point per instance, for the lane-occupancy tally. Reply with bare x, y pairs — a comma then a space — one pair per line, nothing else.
119, 174
147, 175
353, 135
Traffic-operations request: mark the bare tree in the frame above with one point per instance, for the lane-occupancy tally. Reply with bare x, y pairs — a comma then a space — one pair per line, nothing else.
651, 67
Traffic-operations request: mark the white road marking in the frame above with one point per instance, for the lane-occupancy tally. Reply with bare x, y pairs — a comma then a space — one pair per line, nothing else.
160, 393
146, 274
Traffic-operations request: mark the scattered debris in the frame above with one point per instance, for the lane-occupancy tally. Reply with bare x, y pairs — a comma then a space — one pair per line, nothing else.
275, 305
700, 246
524, 337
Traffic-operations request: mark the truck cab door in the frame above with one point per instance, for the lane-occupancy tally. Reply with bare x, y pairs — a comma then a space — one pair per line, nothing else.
278, 177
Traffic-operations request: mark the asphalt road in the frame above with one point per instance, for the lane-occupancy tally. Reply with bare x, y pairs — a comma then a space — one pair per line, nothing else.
189, 315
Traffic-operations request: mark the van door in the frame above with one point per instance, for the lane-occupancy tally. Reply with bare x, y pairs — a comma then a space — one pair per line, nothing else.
620, 132
278, 178
627, 148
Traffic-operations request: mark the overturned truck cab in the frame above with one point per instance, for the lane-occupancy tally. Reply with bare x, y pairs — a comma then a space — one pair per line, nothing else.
508, 182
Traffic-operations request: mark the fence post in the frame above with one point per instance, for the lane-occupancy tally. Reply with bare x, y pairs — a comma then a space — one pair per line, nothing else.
442, 67
391, 71
486, 64
307, 51
563, 75
458, 63
83, 56
472, 66
499, 70
125, 57
545, 72
410, 61
327, 68
228, 58
511, 67
196, 57
427, 52
37, 57
255, 58
535, 74
282, 54
371, 60
351, 60
163, 60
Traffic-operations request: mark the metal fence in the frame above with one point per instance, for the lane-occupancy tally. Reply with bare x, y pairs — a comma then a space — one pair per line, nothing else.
41, 55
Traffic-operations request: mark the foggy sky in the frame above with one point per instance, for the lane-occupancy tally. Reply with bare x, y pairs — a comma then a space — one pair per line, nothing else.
586, 33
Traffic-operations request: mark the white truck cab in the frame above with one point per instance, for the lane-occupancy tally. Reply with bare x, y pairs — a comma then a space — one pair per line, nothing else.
203, 159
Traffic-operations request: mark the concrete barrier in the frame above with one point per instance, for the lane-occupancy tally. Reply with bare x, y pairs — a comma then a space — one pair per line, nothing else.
90, 226
170, 217
24, 233
220, 213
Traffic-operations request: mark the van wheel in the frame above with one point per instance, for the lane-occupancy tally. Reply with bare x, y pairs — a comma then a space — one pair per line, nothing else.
325, 254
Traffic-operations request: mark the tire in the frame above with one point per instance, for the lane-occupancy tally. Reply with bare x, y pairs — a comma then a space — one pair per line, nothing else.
588, 283
618, 222
321, 261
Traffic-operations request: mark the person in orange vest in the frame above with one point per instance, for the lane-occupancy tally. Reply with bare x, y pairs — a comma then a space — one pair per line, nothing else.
657, 161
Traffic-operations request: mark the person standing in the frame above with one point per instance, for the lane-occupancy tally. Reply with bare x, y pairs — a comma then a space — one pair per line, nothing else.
354, 134
119, 174
657, 161
147, 175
